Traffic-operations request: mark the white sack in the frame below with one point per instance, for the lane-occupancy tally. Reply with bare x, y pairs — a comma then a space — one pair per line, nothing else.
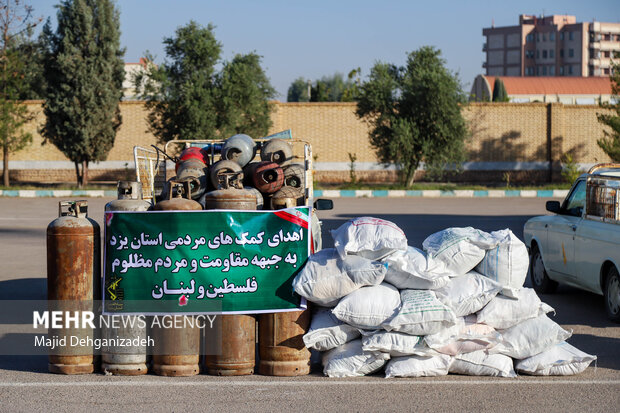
395, 344
479, 363
418, 366
530, 337
407, 270
349, 360
468, 293
369, 237
503, 312
508, 262
326, 278
466, 336
456, 250
560, 360
421, 313
368, 307
327, 332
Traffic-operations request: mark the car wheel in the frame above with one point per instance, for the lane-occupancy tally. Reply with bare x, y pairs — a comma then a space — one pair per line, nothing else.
540, 280
612, 295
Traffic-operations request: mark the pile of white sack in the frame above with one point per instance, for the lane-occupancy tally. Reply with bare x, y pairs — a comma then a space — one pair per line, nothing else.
458, 306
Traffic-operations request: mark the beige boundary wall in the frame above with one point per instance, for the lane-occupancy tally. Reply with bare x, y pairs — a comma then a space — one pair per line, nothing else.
527, 140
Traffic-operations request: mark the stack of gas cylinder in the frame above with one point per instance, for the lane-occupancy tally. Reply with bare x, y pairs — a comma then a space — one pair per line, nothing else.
237, 181
234, 182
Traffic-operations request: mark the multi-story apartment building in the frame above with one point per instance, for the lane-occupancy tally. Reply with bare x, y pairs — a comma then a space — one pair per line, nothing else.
551, 46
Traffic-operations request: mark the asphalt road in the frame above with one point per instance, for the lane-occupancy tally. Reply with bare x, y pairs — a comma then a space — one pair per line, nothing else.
25, 384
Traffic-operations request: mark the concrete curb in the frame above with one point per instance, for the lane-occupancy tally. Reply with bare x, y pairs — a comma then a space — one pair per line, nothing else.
37, 193
459, 193
326, 193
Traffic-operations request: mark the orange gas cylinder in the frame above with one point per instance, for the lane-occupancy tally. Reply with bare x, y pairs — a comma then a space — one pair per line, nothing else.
177, 349
237, 344
73, 281
281, 347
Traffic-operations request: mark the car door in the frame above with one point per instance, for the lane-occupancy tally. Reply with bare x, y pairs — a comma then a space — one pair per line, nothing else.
561, 233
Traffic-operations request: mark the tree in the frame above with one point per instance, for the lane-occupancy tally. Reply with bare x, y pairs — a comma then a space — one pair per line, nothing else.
16, 23
181, 94
499, 91
610, 143
298, 91
332, 88
188, 99
414, 113
84, 71
244, 90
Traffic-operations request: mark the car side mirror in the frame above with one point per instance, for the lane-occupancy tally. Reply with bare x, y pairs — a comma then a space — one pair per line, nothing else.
553, 206
323, 204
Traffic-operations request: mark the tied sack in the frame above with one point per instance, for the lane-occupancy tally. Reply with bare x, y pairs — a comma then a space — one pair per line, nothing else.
396, 344
466, 336
468, 293
326, 278
421, 313
368, 307
456, 250
327, 332
479, 363
407, 270
350, 360
507, 263
560, 360
530, 337
368, 237
418, 366
503, 312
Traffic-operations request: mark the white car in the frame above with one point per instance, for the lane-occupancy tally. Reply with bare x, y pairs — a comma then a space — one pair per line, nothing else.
580, 244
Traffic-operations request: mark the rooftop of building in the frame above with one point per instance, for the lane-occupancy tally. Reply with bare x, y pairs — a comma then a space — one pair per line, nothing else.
556, 85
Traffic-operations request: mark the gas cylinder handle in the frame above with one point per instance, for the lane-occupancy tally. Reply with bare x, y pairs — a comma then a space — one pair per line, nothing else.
228, 180
77, 209
180, 189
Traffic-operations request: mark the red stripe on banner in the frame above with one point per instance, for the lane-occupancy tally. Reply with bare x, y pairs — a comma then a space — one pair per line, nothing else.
292, 218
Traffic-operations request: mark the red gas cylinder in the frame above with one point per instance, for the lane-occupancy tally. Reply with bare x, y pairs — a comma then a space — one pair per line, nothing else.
267, 177
73, 281
192, 154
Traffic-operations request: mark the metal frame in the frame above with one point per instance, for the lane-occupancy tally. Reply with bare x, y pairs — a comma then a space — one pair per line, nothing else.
603, 195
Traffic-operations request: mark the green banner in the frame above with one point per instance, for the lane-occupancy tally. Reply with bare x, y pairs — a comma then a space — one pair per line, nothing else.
197, 262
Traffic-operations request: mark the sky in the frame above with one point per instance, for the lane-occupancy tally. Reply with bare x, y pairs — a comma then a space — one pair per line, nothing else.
316, 38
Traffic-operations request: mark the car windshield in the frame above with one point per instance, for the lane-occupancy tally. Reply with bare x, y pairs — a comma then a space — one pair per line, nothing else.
576, 201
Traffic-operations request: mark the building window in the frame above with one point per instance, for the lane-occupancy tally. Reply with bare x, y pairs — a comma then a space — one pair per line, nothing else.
529, 38
561, 70
537, 70
562, 36
552, 53
571, 52
538, 37
537, 54
544, 37
570, 35
544, 54
552, 36
551, 70
561, 52
570, 69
